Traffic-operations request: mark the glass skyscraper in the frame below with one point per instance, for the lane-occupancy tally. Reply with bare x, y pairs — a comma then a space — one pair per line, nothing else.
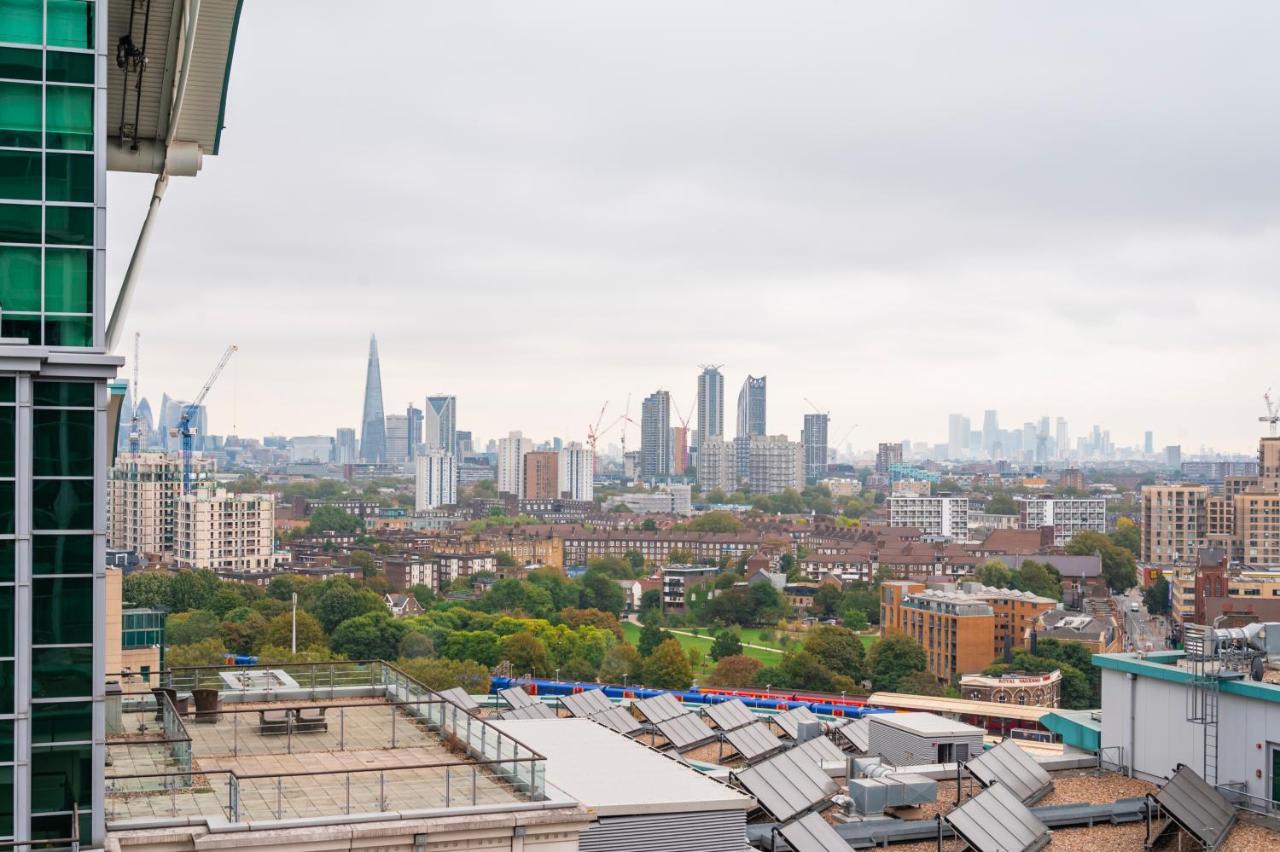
373, 427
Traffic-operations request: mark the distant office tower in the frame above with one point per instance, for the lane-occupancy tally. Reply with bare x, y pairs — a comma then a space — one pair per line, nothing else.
511, 453
462, 443
436, 480
1148, 442
990, 432
541, 476
679, 449
1062, 439
751, 407
710, 405
655, 435
397, 438
814, 439
344, 447
311, 448
148, 439
957, 436
577, 472
717, 465
171, 411
887, 455
414, 415
775, 464
373, 428
1173, 455
442, 423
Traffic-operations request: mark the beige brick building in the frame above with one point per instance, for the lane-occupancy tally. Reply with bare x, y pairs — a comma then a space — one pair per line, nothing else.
224, 532
1174, 523
144, 491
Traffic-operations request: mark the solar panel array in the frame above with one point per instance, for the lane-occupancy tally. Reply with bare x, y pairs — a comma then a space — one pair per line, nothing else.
685, 731
820, 749
857, 734
812, 833
516, 697
536, 710
1010, 766
619, 720
584, 705
790, 721
1198, 808
730, 715
754, 742
787, 785
461, 698
996, 821
660, 708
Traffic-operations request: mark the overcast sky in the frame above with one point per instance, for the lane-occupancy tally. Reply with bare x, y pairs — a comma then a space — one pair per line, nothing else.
897, 210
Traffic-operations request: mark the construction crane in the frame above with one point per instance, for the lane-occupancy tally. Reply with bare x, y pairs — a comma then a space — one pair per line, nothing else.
185, 430
596, 432
816, 409
1273, 413
135, 425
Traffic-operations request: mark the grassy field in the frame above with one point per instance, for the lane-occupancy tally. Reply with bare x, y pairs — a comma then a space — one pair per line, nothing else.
631, 632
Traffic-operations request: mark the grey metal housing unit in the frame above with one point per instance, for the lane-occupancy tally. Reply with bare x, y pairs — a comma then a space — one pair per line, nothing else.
918, 739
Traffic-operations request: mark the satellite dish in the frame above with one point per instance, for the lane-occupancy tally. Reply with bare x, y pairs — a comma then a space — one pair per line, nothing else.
1256, 668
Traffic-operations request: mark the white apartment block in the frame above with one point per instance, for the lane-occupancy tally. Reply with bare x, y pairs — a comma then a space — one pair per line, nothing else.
667, 500
775, 464
225, 532
311, 448
577, 472
436, 482
942, 515
1067, 516
717, 465
511, 453
143, 495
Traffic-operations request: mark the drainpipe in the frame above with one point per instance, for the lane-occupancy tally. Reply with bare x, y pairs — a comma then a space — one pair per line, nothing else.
1133, 719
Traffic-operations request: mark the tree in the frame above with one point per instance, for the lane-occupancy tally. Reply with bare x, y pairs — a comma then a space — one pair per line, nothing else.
425, 595
242, 630
527, 654
922, 683
149, 589
613, 566
717, 521
342, 601
576, 618
414, 645
621, 662
187, 628
207, 652
1156, 597
1001, 504
826, 601
726, 644
1118, 566
837, 648
372, 636
649, 525
735, 671
855, 619
994, 573
601, 591
1039, 578
331, 519
441, 674
279, 631
802, 670
519, 597
651, 636
578, 669
192, 590
680, 556
1127, 535
668, 667
504, 559
891, 659
650, 601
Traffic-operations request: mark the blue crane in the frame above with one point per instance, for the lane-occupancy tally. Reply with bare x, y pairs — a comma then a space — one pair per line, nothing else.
189, 411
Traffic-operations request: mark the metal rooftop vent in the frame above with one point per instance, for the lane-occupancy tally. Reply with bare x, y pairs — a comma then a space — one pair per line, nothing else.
1010, 766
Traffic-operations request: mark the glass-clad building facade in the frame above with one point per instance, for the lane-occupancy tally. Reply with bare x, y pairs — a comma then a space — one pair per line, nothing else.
53, 428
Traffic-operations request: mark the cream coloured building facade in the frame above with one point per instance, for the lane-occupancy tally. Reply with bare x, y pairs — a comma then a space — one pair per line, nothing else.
144, 490
224, 532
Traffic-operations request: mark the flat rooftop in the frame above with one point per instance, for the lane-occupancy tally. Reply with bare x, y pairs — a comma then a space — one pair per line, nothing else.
927, 725
329, 741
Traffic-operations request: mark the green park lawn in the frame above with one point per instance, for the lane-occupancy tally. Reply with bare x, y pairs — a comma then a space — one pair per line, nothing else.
631, 632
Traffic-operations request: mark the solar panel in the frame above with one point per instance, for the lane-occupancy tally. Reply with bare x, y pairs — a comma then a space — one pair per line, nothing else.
516, 697
1198, 808
1009, 765
730, 715
995, 821
618, 719
812, 833
787, 785
660, 708
460, 697
584, 705
537, 710
754, 741
820, 749
856, 734
790, 721
685, 731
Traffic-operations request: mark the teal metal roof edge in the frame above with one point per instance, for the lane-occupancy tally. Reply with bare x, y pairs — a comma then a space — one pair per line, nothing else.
1076, 728
226, 77
1152, 668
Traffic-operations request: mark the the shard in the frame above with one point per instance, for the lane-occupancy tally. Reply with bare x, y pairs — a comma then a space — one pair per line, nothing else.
373, 430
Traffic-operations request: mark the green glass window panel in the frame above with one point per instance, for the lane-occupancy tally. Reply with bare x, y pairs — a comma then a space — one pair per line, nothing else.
69, 177
19, 278
68, 281
61, 554
70, 23
62, 504
8, 387
6, 686
6, 744
19, 114
6, 791
71, 226
23, 326
20, 175
22, 21
68, 331
8, 439
19, 223
58, 826
68, 118
6, 620
61, 610
17, 63
6, 508
62, 723
63, 394
61, 777
8, 557
61, 67
61, 672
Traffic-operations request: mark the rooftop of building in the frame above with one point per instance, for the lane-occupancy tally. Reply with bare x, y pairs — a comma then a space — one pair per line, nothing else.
1175, 667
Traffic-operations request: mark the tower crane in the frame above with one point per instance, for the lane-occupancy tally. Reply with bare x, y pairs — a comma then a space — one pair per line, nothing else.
1273, 413
185, 430
596, 432
135, 425
816, 409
